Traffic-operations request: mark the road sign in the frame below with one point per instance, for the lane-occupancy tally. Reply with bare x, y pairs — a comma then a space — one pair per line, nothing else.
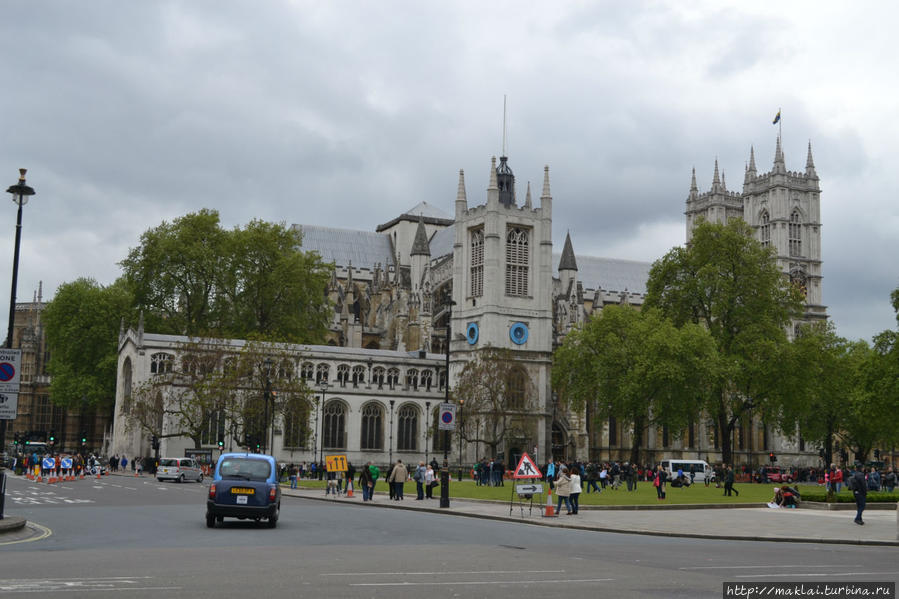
65, 463
447, 417
48, 463
9, 405
10, 364
532, 489
526, 468
336, 463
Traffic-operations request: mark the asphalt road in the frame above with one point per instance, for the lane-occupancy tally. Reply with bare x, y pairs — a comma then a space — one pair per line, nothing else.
141, 538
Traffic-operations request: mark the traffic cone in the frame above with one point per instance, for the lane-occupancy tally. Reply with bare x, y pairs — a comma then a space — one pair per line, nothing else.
51, 479
82, 474
349, 491
549, 505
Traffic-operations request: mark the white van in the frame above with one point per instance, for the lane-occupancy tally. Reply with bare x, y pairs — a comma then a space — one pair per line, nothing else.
703, 470
179, 470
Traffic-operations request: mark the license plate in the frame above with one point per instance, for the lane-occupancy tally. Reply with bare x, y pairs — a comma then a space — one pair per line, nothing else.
243, 491
241, 499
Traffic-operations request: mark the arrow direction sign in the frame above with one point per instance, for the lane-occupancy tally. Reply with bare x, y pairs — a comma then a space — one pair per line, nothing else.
532, 489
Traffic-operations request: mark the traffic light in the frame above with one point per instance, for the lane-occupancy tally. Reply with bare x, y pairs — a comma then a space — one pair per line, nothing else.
15, 439
154, 442
258, 446
772, 457
84, 437
221, 444
52, 438
876, 454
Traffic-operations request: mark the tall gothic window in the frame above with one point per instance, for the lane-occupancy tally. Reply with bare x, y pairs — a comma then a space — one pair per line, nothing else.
321, 373
516, 388
426, 376
343, 374
334, 426
477, 262
372, 427
161, 364
765, 229
358, 375
296, 426
407, 428
517, 260
378, 376
307, 371
393, 377
412, 378
795, 234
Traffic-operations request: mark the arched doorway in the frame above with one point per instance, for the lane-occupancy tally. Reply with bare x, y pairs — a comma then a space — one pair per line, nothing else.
559, 445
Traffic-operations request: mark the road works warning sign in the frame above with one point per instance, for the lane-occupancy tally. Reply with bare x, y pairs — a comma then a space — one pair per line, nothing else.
527, 468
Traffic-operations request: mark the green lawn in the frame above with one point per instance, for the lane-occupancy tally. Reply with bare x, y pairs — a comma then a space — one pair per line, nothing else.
644, 495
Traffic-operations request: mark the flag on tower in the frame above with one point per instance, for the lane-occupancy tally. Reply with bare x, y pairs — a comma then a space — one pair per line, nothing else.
776, 118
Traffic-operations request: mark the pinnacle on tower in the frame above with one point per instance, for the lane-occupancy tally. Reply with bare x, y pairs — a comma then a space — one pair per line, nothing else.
546, 194
493, 185
779, 166
693, 188
752, 159
420, 246
716, 180
567, 261
460, 194
723, 183
810, 163
527, 197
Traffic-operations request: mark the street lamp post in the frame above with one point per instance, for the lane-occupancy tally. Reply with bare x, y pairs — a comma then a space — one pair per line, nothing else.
20, 194
444, 472
266, 396
323, 386
390, 449
428, 425
459, 424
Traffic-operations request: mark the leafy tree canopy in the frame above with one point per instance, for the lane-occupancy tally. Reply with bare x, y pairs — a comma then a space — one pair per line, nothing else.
82, 327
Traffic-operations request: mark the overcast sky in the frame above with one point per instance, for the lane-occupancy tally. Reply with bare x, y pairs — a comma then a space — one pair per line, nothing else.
346, 114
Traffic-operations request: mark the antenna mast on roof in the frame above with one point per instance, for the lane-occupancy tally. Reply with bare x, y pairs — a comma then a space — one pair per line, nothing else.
504, 125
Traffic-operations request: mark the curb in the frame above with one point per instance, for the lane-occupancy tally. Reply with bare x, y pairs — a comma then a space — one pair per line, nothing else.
607, 529
12, 523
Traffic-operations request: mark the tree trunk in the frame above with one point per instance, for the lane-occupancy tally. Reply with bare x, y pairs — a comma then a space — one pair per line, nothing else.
724, 436
637, 437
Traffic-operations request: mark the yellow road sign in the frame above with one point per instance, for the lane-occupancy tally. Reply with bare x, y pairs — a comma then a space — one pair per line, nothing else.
335, 463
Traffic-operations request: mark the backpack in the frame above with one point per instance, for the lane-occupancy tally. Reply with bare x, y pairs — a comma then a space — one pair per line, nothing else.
417, 477
375, 472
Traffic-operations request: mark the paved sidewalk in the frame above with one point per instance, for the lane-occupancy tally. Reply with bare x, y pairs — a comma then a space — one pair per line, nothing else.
738, 523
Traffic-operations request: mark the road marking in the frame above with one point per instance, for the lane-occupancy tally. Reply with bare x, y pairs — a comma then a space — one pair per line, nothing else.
45, 532
817, 574
478, 582
52, 585
444, 572
767, 567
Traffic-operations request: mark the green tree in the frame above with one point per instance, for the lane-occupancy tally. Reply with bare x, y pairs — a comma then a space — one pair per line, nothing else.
272, 288
729, 283
828, 369
637, 366
175, 272
499, 400
82, 328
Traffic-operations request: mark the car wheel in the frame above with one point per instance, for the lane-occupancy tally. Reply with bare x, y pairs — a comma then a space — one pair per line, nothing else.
210, 520
181, 479
219, 519
200, 480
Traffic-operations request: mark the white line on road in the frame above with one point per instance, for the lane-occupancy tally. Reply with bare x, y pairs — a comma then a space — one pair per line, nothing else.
478, 582
444, 572
767, 567
816, 574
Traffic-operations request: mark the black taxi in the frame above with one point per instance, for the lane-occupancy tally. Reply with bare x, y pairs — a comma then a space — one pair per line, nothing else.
244, 486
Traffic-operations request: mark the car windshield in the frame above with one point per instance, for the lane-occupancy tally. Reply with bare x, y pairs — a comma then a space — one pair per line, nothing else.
168, 462
245, 469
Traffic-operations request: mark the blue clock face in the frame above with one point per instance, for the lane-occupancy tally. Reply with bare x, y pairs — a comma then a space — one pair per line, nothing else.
471, 333
518, 333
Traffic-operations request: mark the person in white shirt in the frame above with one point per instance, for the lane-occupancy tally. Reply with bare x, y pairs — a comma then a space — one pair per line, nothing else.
574, 490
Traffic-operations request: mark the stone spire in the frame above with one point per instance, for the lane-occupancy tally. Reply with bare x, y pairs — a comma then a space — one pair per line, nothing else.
567, 262
527, 197
752, 160
493, 184
420, 246
546, 198
461, 197
716, 180
779, 166
723, 182
694, 190
810, 163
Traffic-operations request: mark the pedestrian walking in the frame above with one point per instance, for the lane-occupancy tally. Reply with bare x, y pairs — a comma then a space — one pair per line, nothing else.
367, 481
292, 476
659, 482
398, 477
430, 479
563, 490
859, 487
729, 479
419, 478
574, 491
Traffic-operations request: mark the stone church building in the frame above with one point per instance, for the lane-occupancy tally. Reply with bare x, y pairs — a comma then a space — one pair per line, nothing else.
427, 288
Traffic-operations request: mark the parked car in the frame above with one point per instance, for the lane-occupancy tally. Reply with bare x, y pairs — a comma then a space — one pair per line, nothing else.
179, 470
244, 486
776, 474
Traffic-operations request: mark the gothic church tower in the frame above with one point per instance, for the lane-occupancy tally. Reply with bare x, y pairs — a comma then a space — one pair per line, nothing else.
502, 288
